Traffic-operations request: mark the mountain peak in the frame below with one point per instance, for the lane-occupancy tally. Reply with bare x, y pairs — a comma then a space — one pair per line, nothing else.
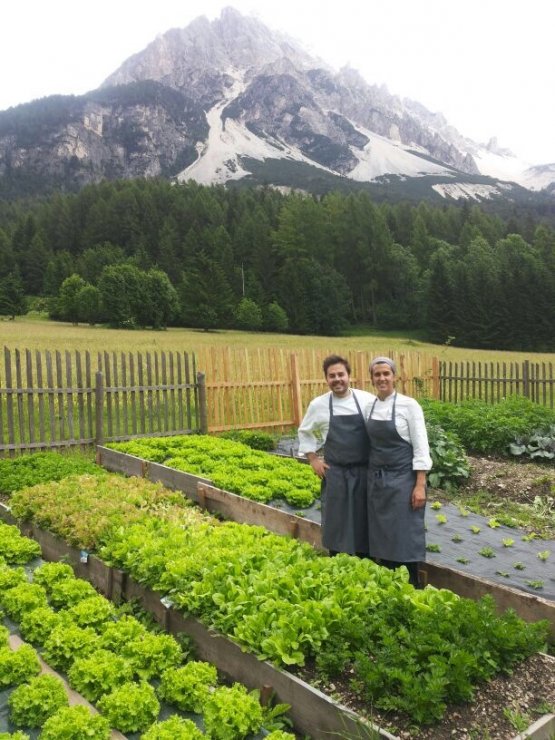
221, 98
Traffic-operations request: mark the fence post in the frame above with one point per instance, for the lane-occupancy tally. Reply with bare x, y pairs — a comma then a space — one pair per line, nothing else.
526, 379
203, 410
99, 408
296, 391
436, 385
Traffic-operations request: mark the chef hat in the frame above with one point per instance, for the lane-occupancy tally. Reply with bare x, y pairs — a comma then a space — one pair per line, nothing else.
383, 361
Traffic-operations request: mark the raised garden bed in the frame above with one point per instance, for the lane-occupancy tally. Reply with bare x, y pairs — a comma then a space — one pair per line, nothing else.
236, 508
312, 711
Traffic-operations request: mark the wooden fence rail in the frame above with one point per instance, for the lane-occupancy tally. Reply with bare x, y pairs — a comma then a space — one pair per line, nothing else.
55, 399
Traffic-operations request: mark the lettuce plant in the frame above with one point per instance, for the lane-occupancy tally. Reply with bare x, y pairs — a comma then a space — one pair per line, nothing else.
22, 598
188, 687
232, 713
49, 573
130, 708
151, 654
70, 591
76, 722
99, 674
40, 467
10, 577
18, 735
37, 624
115, 635
17, 666
32, 703
173, 728
92, 612
14, 548
68, 642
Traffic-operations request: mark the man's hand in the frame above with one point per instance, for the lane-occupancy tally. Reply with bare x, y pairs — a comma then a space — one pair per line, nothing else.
318, 464
418, 499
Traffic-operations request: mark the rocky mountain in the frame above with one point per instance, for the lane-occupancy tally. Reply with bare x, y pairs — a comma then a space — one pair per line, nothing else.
230, 100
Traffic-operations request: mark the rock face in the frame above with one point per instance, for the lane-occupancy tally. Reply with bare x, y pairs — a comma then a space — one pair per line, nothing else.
204, 101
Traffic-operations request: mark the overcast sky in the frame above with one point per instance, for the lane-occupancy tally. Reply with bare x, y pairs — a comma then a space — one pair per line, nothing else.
487, 65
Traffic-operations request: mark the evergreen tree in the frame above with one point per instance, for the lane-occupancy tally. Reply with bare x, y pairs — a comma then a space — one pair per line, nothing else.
441, 316
12, 297
59, 267
315, 297
94, 259
205, 296
274, 318
34, 264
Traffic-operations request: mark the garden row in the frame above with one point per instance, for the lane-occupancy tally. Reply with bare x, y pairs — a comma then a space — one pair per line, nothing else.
413, 651
112, 659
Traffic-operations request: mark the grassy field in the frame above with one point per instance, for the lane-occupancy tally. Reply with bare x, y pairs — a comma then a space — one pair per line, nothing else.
35, 333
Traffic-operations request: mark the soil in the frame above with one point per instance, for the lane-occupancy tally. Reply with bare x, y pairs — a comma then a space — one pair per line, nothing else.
501, 708
512, 482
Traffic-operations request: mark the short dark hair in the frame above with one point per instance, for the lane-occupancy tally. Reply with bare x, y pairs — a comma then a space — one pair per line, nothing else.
335, 360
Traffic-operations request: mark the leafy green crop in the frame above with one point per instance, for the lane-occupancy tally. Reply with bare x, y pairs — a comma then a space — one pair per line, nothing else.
68, 592
14, 548
38, 623
188, 687
10, 577
32, 703
450, 464
233, 466
76, 722
92, 611
41, 467
22, 598
131, 707
256, 440
68, 642
115, 635
98, 505
99, 673
150, 654
173, 728
493, 428
232, 713
49, 573
18, 665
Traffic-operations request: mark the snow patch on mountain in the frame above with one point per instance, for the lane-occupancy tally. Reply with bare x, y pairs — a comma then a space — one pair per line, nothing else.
381, 157
219, 158
458, 190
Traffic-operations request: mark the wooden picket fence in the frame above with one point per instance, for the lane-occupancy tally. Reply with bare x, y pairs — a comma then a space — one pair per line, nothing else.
493, 381
58, 399
270, 388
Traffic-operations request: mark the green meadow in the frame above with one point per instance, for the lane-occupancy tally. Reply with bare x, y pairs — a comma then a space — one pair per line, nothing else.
35, 333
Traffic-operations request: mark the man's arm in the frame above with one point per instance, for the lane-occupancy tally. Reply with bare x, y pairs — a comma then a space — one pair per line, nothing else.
315, 421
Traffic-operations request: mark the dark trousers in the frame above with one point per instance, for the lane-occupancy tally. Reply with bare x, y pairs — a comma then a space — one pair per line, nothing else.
411, 567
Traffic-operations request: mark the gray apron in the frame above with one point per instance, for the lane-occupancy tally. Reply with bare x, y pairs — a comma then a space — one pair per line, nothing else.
395, 530
344, 514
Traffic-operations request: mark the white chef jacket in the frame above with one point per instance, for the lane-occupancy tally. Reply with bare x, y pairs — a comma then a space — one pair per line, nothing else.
314, 427
410, 425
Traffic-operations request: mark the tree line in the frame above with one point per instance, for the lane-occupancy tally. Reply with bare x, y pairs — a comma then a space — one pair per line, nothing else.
148, 253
